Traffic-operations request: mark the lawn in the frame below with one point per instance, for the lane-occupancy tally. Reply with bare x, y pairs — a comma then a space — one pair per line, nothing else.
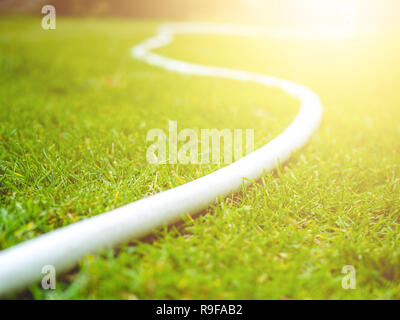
75, 108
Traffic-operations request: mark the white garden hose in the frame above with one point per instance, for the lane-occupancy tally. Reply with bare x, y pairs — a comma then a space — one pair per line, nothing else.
63, 248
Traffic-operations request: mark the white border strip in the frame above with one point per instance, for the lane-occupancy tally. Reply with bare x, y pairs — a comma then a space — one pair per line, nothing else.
62, 248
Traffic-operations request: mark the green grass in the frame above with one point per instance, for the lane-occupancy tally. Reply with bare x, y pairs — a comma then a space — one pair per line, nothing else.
74, 112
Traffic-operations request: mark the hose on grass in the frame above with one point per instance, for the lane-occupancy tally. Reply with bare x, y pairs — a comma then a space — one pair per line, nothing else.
63, 248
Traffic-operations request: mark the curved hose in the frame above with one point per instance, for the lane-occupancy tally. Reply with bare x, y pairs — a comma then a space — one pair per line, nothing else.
62, 248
